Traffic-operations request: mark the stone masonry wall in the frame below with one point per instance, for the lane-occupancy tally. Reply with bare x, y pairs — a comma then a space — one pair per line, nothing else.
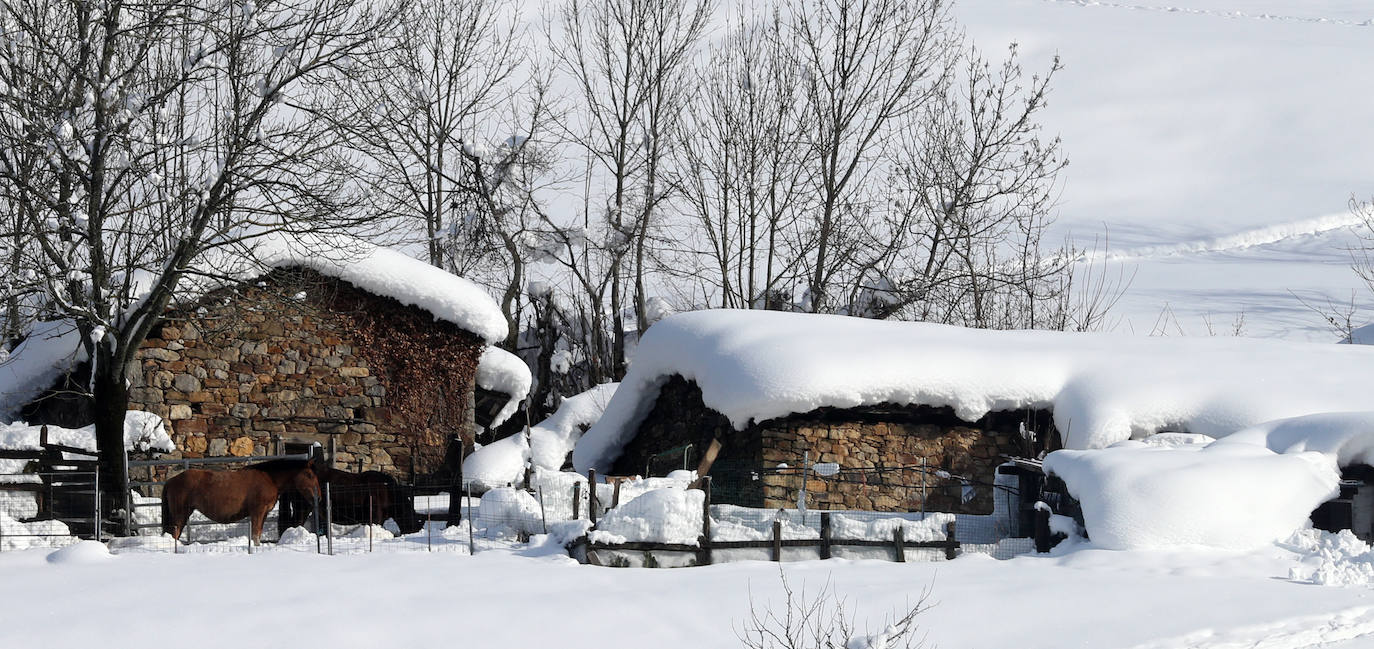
887, 441
300, 357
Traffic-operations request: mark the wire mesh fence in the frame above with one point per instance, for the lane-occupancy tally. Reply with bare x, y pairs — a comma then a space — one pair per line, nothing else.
48, 508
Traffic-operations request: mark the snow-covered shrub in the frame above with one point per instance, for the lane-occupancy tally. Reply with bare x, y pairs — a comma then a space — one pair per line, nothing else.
659, 516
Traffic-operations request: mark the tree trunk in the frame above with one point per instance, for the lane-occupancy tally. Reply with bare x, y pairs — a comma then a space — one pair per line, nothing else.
111, 401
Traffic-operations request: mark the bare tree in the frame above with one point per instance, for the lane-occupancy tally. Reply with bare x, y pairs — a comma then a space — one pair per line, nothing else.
739, 163
974, 184
866, 64
824, 620
164, 131
626, 60
412, 108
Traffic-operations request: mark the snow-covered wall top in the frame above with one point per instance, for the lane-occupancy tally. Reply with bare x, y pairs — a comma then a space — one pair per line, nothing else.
501, 371
53, 348
1102, 388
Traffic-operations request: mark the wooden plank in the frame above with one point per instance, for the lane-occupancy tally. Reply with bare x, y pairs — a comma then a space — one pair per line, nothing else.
577, 501
705, 540
898, 545
591, 496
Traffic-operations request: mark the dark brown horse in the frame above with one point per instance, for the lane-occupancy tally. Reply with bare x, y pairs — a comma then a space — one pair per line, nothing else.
369, 497
231, 496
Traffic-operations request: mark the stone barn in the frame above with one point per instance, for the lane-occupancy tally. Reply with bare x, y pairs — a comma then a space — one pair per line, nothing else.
369, 353
915, 413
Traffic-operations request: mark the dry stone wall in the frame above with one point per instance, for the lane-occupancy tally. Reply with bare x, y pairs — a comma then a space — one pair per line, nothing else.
300, 358
887, 442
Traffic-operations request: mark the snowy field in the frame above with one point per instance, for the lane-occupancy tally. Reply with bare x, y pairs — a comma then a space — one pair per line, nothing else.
533, 598
1216, 142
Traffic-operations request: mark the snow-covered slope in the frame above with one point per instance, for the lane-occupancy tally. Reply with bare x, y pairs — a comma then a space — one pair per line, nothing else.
1103, 388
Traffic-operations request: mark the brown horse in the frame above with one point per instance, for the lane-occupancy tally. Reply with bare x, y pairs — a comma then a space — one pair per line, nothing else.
369, 497
230, 496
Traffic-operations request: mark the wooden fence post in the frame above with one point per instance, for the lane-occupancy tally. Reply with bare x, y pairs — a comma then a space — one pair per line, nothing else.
615, 495
952, 549
825, 535
577, 501
705, 542
777, 540
898, 544
591, 495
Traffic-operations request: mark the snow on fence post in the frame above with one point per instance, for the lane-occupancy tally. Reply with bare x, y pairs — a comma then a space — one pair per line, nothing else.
591, 496
777, 540
577, 501
952, 547
825, 535
898, 544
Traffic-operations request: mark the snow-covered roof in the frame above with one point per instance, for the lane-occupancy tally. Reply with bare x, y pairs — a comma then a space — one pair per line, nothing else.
501, 371
1102, 388
53, 348
377, 270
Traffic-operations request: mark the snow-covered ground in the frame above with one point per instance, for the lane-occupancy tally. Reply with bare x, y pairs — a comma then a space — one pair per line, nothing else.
531, 598
1216, 142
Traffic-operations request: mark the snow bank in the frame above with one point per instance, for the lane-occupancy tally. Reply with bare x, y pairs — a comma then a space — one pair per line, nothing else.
15, 535
659, 516
504, 372
932, 528
1103, 388
1346, 437
1233, 496
552, 439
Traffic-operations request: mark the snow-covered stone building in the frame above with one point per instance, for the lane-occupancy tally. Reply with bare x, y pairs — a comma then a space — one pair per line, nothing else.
369, 352
766, 387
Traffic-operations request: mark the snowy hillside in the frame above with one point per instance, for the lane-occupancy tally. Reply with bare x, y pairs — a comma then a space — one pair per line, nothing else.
1216, 142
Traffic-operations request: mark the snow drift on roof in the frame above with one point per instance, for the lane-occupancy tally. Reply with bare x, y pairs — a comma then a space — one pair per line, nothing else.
1103, 388
53, 348
384, 272
501, 371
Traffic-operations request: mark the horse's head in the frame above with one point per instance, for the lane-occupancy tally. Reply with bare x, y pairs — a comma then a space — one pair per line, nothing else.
307, 481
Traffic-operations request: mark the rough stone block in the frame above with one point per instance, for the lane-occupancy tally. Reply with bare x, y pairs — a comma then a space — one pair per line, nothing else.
186, 383
354, 372
179, 411
241, 447
219, 447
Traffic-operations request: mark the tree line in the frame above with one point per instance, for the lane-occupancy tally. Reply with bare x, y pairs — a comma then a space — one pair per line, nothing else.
596, 165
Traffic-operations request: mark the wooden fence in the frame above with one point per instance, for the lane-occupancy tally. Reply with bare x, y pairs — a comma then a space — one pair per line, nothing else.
705, 546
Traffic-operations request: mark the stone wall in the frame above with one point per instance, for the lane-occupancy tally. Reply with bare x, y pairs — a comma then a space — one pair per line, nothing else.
299, 358
887, 441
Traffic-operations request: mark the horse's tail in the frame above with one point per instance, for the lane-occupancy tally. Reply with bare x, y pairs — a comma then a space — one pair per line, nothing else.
166, 513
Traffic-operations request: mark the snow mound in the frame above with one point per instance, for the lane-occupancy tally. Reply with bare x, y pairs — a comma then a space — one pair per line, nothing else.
512, 509
296, 536
552, 439
498, 464
1347, 437
1328, 559
82, 552
50, 350
504, 372
659, 516
1103, 388
16, 535
1232, 496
